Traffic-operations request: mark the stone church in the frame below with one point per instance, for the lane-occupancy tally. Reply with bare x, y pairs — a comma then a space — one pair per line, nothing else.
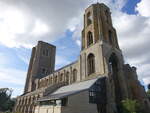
96, 82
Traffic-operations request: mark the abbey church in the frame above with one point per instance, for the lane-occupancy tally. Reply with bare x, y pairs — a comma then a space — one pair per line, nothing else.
96, 82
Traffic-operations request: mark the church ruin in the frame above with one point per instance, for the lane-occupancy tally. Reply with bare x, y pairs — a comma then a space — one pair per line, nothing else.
96, 83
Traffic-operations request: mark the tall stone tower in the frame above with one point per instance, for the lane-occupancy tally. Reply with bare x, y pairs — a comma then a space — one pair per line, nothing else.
42, 63
100, 54
98, 38
98, 25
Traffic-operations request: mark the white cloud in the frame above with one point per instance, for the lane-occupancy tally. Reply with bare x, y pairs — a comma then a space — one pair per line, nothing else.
146, 80
133, 33
3, 59
143, 8
40, 29
17, 78
78, 43
23, 23
12, 78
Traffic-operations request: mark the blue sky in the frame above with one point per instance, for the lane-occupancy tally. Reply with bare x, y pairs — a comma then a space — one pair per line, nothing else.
130, 6
25, 22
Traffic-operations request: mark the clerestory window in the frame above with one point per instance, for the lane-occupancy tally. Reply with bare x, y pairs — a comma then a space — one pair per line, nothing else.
74, 75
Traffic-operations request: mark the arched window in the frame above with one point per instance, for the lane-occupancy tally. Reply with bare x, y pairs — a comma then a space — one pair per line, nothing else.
89, 18
89, 38
47, 80
110, 37
107, 16
55, 79
67, 77
51, 80
91, 64
74, 78
61, 77
29, 102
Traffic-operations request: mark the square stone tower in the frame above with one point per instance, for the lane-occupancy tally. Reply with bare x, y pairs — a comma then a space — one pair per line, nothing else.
42, 63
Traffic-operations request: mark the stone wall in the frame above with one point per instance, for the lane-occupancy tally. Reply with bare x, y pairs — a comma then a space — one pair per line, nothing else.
73, 105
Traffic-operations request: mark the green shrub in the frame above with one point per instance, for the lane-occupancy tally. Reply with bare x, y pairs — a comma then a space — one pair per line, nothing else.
130, 106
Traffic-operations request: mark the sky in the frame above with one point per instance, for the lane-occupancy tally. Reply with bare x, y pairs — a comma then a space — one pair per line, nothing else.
60, 22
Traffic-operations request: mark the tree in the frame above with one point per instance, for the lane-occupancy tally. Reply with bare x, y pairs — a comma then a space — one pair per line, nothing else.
6, 103
148, 92
148, 86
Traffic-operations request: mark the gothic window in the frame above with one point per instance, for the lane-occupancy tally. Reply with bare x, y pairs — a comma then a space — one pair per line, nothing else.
25, 101
51, 80
67, 77
89, 18
55, 79
74, 75
91, 64
44, 71
89, 38
45, 52
46, 81
110, 37
107, 16
61, 77
19, 102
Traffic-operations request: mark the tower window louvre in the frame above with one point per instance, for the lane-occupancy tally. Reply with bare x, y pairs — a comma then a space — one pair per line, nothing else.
110, 37
46, 52
89, 38
89, 18
107, 16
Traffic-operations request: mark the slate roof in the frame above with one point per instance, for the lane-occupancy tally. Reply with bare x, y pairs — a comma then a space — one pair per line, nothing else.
70, 90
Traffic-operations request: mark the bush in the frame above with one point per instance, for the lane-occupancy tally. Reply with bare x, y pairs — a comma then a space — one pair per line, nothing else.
130, 106
6, 103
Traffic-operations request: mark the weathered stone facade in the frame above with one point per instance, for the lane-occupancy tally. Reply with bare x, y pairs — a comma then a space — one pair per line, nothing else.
100, 56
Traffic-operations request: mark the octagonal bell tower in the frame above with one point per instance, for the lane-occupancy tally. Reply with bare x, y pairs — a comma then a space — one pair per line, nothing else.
100, 52
99, 41
98, 26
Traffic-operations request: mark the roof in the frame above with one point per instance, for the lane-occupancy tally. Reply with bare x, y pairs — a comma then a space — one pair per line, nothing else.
70, 90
